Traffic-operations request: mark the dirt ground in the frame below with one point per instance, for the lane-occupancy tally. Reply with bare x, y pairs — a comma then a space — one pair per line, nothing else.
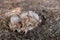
48, 29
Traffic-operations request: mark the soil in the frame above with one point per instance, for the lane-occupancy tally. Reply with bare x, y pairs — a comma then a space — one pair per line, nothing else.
48, 10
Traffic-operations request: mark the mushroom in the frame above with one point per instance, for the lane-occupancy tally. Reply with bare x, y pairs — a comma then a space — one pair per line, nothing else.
15, 23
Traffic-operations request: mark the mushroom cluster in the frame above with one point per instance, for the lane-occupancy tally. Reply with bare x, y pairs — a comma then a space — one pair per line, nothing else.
23, 21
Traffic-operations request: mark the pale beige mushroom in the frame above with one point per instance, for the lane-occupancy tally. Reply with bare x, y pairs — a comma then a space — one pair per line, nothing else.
15, 23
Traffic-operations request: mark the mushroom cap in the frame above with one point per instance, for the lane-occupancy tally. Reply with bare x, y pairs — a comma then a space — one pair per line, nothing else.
34, 15
15, 19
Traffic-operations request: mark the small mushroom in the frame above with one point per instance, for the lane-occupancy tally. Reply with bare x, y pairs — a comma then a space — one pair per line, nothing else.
14, 19
15, 23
